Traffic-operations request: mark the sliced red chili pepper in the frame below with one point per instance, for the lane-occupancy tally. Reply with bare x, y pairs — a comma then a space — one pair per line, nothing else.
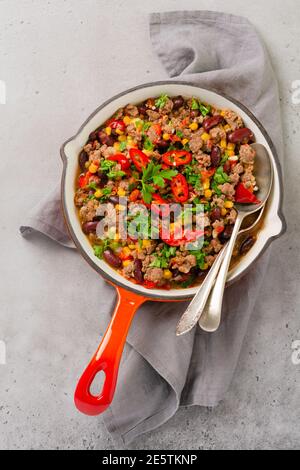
121, 159
84, 179
139, 158
244, 196
134, 196
163, 210
117, 124
180, 188
177, 157
190, 236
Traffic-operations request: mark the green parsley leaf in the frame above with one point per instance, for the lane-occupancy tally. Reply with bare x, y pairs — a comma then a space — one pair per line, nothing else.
179, 133
204, 110
116, 174
123, 146
148, 145
195, 104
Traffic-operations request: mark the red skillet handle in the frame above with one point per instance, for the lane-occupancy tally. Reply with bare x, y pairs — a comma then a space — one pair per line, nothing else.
108, 356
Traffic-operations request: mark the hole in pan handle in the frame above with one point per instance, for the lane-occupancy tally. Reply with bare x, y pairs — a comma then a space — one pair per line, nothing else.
108, 355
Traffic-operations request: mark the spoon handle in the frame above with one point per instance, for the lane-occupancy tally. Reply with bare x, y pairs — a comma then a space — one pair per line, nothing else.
196, 307
211, 318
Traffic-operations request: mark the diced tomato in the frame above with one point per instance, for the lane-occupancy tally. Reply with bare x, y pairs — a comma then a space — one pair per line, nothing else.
139, 158
177, 157
121, 159
149, 284
244, 196
207, 173
180, 188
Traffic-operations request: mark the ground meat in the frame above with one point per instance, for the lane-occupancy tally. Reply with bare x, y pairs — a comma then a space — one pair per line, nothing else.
124, 185
186, 133
216, 227
134, 132
88, 148
217, 133
80, 196
247, 154
184, 263
167, 108
234, 178
152, 134
107, 151
227, 189
233, 119
231, 218
153, 115
247, 178
196, 142
129, 270
132, 110
218, 201
88, 211
119, 114
216, 245
203, 159
95, 155
210, 259
154, 275
238, 168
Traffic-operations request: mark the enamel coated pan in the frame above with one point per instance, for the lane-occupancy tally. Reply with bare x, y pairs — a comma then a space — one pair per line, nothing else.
130, 295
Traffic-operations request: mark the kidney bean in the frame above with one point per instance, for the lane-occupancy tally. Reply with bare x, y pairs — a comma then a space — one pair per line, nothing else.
114, 199
105, 139
138, 275
194, 113
178, 101
215, 214
211, 122
97, 218
89, 227
111, 258
82, 159
142, 110
162, 145
93, 136
103, 179
247, 244
241, 136
215, 155
226, 234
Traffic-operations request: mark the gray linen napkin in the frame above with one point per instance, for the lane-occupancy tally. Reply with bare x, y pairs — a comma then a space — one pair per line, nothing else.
160, 370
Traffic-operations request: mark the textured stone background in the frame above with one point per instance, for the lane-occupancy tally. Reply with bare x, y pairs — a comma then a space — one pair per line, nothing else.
57, 58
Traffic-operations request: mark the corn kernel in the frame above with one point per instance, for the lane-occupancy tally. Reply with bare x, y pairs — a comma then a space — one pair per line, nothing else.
126, 263
205, 136
117, 237
167, 274
223, 143
132, 247
127, 120
227, 128
223, 211
208, 193
228, 204
93, 168
121, 192
166, 136
147, 152
184, 141
223, 112
206, 184
231, 146
108, 130
230, 153
126, 251
98, 193
87, 164
122, 138
193, 126
117, 145
119, 207
118, 131
204, 267
146, 243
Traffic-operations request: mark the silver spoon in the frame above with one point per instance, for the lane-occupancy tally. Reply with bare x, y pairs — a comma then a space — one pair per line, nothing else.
196, 307
210, 321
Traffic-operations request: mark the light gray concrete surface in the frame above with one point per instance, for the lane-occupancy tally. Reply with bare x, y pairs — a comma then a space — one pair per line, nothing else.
57, 58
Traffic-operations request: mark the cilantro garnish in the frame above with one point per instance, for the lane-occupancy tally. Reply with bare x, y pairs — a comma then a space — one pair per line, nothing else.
161, 101
123, 146
148, 145
204, 110
153, 174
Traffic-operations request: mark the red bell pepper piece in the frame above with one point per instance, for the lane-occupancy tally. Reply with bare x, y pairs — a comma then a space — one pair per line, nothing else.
84, 178
139, 158
121, 159
149, 284
177, 157
207, 173
117, 124
244, 196
180, 188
